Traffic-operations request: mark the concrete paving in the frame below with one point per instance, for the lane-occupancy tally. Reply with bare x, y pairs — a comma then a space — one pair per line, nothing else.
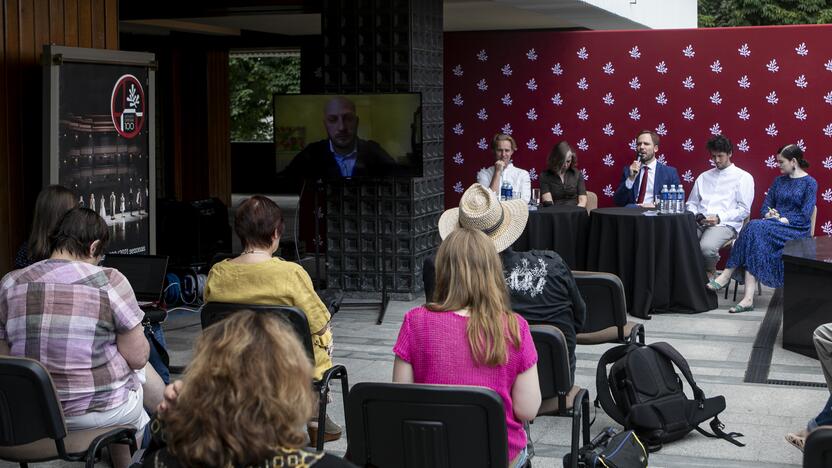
717, 345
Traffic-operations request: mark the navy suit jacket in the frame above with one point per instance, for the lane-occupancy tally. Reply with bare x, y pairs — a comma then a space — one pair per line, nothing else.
665, 175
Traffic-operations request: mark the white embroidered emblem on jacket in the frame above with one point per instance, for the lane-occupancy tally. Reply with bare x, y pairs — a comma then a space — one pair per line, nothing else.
526, 280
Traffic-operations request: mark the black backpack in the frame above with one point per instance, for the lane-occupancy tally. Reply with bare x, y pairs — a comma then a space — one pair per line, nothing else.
644, 393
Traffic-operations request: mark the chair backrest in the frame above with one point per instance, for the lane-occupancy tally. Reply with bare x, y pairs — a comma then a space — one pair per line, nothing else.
603, 294
817, 453
213, 312
418, 426
591, 201
29, 407
552, 361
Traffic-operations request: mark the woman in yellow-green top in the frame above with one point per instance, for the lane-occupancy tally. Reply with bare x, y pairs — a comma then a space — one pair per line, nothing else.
256, 277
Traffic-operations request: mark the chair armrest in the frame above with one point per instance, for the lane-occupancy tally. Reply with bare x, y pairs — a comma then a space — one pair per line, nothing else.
637, 334
118, 435
337, 371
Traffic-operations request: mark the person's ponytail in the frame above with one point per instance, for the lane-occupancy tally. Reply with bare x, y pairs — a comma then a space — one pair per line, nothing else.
792, 151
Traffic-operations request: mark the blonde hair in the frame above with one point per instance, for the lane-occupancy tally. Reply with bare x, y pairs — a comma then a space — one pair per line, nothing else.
503, 137
247, 392
469, 275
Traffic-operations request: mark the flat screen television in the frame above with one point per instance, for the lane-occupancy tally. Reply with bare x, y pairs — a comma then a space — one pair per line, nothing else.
329, 136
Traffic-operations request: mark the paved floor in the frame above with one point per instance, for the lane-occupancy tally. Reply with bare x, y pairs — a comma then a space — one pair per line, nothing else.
717, 345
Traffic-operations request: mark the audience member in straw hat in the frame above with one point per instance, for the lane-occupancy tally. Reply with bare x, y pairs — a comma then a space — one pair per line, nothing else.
504, 170
539, 282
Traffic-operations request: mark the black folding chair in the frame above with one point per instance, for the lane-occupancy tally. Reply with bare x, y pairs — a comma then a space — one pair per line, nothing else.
560, 396
213, 312
32, 426
606, 310
426, 426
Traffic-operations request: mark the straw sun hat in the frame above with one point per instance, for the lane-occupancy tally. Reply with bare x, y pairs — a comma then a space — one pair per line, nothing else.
480, 209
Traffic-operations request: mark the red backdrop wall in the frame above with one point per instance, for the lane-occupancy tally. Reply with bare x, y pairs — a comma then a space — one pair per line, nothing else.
762, 87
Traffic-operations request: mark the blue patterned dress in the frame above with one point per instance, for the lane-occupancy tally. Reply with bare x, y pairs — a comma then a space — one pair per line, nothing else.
759, 246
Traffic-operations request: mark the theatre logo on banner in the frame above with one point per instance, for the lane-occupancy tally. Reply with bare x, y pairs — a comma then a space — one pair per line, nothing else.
762, 87
103, 147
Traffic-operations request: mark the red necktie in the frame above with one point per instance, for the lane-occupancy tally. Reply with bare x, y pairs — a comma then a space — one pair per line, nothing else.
643, 188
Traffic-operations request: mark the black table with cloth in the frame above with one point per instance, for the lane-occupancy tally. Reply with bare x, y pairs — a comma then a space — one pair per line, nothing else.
657, 258
559, 228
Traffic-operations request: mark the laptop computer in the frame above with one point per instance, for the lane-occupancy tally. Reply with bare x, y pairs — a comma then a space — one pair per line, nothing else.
146, 274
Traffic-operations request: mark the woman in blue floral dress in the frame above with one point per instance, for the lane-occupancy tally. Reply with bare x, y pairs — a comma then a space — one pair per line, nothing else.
786, 212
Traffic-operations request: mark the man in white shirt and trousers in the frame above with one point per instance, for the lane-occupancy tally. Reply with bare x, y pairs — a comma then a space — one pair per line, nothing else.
721, 199
503, 170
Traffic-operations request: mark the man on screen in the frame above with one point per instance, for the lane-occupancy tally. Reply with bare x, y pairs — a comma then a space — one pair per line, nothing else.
643, 178
342, 154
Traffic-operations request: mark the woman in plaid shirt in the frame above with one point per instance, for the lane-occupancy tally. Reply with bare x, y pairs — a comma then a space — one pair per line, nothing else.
82, 322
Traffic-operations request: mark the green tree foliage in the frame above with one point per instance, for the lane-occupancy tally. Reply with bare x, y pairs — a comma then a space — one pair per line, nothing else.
713, 13
253, 82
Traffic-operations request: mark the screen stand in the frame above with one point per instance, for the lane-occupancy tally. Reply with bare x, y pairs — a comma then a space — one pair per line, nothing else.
317, 238
318, 283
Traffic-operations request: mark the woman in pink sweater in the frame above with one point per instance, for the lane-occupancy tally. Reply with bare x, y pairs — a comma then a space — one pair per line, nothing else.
471, 337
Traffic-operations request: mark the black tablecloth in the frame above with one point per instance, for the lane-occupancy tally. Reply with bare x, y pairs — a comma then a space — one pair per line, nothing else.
657, 258
559, 228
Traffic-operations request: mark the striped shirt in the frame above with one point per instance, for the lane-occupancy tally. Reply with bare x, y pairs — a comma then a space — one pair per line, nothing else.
66, 315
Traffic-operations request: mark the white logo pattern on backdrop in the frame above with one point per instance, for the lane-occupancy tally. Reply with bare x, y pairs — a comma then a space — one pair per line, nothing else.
598, 74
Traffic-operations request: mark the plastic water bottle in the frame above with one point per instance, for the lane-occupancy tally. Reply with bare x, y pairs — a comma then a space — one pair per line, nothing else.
663, 198
676, 194
503, 191
509, 191
680, 194
671, 199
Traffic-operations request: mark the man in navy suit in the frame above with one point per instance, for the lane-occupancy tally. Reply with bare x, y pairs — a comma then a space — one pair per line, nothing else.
635, 188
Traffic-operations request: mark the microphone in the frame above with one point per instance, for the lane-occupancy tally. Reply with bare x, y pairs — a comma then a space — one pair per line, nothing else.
637, 160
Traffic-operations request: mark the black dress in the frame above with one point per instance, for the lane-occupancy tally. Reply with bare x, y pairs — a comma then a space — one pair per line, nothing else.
564, 192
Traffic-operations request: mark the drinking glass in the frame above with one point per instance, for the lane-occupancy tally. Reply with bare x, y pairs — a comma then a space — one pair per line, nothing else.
535, 197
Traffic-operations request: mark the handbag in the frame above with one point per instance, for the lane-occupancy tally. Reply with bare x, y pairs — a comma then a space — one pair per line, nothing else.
611, 450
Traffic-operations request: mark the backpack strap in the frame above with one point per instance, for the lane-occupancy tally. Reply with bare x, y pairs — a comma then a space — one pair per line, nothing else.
717, 426
602, 386
670, 353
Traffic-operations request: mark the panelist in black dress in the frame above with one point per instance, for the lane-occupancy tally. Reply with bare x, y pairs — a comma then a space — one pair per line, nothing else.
562, 183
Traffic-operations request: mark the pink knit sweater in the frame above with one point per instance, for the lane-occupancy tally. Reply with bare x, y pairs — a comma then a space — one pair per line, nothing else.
435, 344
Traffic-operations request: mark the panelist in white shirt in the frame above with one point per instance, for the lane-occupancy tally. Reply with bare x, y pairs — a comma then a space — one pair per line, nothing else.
503, 170
721, 200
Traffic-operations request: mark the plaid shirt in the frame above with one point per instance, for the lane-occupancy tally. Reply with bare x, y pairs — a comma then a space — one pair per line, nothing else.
66, 315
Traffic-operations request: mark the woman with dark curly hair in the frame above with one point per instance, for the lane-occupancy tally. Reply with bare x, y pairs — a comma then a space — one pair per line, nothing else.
562, 183
245, 400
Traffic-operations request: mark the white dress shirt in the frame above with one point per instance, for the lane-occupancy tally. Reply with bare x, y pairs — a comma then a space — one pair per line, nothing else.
727, 193
518, 178
651, 177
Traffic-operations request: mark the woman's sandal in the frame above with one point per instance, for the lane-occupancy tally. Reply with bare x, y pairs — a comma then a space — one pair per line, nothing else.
714, 285
798, 439
739, 308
